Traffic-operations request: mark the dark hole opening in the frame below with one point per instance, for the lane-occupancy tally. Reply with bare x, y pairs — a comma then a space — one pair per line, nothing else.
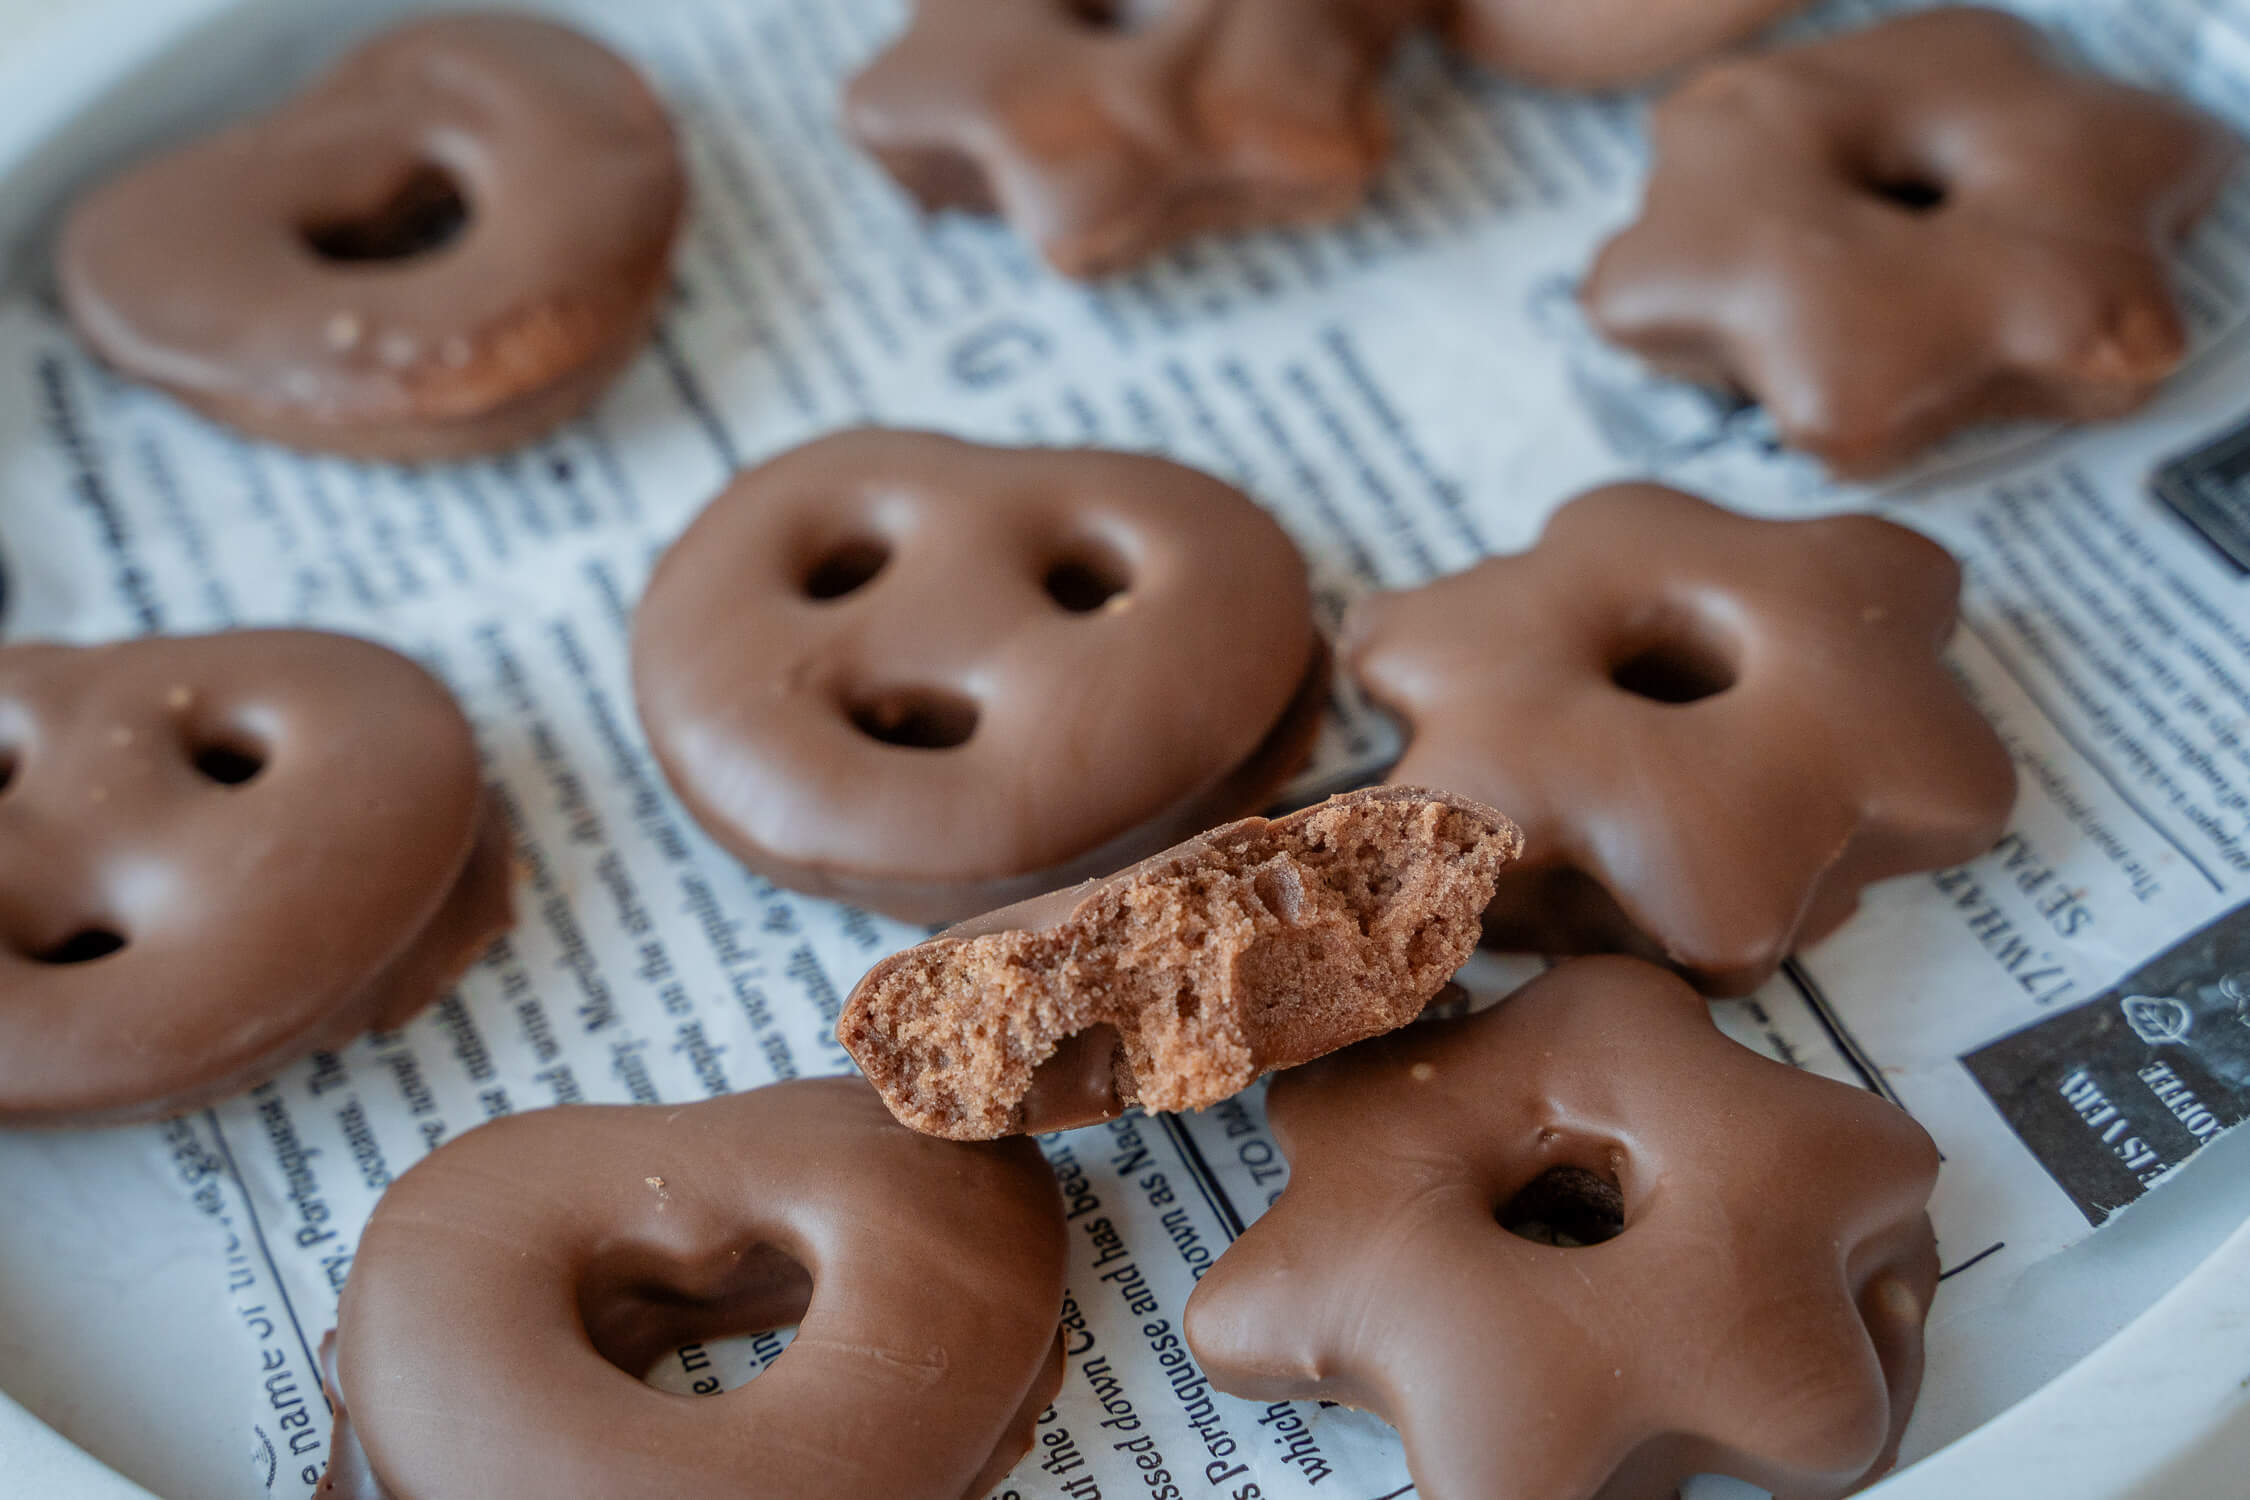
846, 569
700, 1327
1916, 195
1568, 1207
425, 213
915, 718
7, 771
1085, 583
1113, 15
228, 765
83, 947
1678, 670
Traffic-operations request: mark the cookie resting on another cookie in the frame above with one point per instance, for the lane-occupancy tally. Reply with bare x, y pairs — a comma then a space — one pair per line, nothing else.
1584, 1245
1714, 730
1177, 983
1891, 234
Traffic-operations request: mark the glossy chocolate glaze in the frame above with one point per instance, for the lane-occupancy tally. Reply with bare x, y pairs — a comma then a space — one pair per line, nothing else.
1106, 130
1714, 730
1759, 1313
285, 834
1123, 648
1178, 982
1893, 233
1593, 44
513, 1287
447, 245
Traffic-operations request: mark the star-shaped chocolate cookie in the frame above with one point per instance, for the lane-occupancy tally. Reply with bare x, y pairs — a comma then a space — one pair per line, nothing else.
1891, 234
1582, 1245
1713, 730
1106, 130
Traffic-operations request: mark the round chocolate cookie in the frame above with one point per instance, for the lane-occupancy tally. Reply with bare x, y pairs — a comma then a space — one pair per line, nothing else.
1583, 1245
933, 678
514, 1287
1714, 737
447, 246
1107, 130
219, 853
1592, 44
1887, 235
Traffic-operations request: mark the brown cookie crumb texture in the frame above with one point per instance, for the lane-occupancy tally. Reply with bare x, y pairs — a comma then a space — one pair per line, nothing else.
1257, 946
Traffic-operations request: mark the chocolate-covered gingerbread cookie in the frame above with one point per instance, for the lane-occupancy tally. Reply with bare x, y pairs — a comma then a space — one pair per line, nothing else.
1714, 730
1108, 129
446, 246
1177, 983
932, 678
513, 1288
1584, 1245
1602, 43
1887, 235
219, 853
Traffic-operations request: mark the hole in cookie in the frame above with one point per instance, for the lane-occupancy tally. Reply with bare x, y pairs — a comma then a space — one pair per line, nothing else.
422, 215
701, 1327
1568, 1207
1113, 15
915, 718
1913, 193
228, 765
1086, 581
1679, 666
846, 569
83, 947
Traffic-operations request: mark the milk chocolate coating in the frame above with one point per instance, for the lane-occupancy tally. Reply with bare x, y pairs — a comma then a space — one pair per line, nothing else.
1177, 983
1930, 223
219, 853
1758, 1314
446, 246
931, 678
1714, 730
513, 1287
1599, 44
1106, 130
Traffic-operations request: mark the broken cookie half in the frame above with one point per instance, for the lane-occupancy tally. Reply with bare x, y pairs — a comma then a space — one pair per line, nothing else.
1176, 983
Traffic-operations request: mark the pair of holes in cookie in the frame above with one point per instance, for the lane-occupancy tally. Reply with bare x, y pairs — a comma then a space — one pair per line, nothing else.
422, 213
228, 760
1085, 578
225, 761
1569, 1207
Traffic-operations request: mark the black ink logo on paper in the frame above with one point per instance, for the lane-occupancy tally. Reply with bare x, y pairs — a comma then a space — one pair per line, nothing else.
2113, 1095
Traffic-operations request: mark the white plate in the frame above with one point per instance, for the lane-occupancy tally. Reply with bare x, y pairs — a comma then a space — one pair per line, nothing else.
2161, 1410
